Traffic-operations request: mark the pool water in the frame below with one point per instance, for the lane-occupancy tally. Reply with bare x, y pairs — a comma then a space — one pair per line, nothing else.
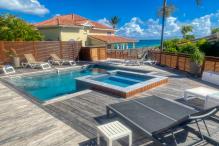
46, 87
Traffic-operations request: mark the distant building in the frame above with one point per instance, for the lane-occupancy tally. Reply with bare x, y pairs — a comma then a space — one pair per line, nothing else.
76, 28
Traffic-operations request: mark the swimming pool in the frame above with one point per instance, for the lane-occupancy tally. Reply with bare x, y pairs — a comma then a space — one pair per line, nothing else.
51, 85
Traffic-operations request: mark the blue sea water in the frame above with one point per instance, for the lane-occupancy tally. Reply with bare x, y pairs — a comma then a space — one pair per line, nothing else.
146, 43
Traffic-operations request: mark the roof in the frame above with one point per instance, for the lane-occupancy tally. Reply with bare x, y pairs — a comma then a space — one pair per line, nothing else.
70, 20
112, 39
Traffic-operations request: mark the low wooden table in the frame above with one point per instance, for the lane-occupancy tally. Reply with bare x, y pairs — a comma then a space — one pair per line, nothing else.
113, 131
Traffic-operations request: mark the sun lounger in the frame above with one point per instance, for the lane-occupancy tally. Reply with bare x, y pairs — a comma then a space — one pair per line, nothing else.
156, 116
31, 61
8, 69
201, 92
143, 60
55, 59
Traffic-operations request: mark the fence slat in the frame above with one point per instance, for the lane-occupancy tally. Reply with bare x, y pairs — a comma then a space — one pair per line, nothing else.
182, 61
41, 49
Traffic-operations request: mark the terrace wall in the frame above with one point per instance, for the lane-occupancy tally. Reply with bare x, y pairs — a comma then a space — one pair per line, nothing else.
182, 61
41, 49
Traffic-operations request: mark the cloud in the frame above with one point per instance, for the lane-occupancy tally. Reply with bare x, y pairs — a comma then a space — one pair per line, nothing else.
25, 6
151, 28
104, 21
132, 28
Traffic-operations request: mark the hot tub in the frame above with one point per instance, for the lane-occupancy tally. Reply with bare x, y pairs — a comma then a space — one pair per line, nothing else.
121, 83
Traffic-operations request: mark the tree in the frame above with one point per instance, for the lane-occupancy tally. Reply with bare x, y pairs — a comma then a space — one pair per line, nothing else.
185, 30
165, 13
114, 21
13, 28
214, 30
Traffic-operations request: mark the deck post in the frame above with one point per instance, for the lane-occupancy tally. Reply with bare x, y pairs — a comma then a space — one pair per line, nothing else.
2, 47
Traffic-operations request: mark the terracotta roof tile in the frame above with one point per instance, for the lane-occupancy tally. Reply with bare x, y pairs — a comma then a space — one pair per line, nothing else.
112, 39
70, 20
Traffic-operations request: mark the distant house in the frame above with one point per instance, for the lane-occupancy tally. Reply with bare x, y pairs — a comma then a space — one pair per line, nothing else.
76, 28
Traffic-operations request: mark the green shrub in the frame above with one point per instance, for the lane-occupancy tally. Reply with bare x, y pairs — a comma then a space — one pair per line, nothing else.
171, 50
198, 57
188, 48
13, 28
171, 44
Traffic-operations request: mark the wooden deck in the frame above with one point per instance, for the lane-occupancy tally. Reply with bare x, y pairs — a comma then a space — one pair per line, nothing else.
73, 121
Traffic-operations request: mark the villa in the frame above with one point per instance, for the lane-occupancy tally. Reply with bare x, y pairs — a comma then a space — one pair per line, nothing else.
73, 27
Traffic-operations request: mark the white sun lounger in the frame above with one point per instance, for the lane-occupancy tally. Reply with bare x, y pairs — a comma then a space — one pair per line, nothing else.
201, 92
8, 69
31, 61
55, 59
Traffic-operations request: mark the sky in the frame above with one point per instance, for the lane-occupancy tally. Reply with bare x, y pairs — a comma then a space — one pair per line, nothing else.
138, 18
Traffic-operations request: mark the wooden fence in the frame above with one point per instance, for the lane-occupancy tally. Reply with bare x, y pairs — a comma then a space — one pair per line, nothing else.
126, 54
41, 49
182, 61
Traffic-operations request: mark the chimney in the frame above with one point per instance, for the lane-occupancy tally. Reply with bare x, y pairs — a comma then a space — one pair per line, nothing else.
58, 20
73, 18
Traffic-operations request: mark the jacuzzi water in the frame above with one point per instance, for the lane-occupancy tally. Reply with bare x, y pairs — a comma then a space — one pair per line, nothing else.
122, 79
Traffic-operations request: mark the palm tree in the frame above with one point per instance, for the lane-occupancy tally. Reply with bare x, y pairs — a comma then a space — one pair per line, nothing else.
114, 21
165, 13
214, 30
185, 29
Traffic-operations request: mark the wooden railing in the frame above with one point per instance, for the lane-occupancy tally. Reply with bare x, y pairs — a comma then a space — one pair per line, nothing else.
40, 49
182, 61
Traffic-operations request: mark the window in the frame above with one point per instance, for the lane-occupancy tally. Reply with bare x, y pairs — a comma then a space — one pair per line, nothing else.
109, 33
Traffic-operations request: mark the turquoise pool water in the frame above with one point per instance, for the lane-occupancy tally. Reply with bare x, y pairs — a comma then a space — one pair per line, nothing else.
46, 87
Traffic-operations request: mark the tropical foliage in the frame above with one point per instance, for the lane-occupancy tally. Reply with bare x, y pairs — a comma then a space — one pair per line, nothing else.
214, 30
186, 30
13, 28
166, 11
169, 9
114, 21
186, 47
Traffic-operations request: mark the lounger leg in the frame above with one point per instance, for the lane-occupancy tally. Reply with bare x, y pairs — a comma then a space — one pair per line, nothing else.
98, 138
110, 143
206, 127
107, 112
174, 138
199, 129
130, 139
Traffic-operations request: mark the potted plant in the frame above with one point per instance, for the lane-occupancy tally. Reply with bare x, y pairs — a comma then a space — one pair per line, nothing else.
197, 58
11, 53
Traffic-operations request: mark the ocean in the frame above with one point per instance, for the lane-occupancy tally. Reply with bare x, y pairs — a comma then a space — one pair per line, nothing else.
146, 43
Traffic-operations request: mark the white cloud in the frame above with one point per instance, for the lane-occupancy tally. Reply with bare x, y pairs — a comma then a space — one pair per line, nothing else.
25, 6
132, 28
105, 21
151, 28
